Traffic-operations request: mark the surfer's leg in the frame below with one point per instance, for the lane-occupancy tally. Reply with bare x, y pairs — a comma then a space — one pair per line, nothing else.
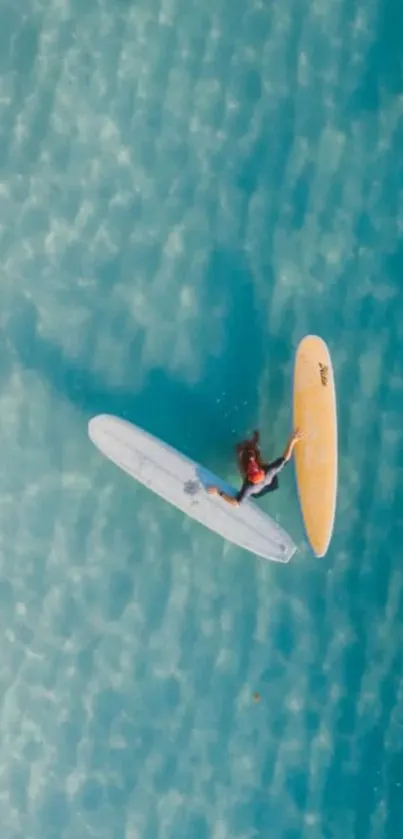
231, 499
245, 491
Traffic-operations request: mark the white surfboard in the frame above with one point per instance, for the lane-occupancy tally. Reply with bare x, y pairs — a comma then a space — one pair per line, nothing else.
184, 483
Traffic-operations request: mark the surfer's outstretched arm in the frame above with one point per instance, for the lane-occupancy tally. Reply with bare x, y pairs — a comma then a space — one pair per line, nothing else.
290, 445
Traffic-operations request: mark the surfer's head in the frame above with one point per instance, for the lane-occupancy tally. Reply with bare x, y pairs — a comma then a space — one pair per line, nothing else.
254, 472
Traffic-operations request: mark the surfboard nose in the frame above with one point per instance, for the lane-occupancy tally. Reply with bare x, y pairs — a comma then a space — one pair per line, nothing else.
99, 428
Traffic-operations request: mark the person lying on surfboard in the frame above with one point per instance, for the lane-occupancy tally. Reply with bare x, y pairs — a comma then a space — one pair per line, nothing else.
259, 477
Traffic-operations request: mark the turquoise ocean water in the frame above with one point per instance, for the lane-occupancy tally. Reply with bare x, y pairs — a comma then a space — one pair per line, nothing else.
186, 189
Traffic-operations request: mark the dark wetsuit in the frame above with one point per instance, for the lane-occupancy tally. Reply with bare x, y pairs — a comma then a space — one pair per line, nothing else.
269, 483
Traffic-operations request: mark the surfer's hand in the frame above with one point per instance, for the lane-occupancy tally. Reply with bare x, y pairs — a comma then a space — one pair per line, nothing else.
212, 491
297, 435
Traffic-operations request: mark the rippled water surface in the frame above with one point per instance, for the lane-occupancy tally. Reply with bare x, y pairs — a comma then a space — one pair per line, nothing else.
186, 189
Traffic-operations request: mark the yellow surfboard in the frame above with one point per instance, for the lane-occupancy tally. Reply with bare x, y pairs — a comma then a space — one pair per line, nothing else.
315, 413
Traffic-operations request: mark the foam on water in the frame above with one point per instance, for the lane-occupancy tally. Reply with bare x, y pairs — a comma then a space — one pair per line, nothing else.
185, 191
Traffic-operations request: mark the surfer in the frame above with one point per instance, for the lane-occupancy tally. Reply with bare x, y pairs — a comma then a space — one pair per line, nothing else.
259, 477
